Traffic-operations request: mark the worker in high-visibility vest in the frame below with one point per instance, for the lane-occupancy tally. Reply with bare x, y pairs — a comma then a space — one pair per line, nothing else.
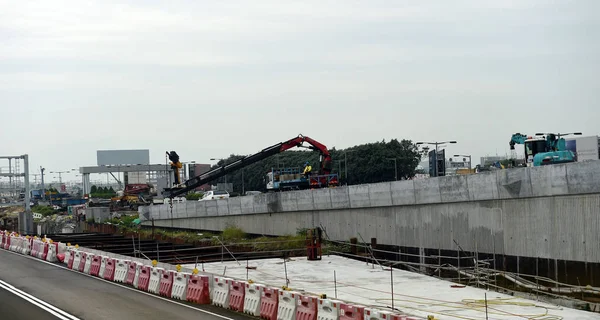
307, 169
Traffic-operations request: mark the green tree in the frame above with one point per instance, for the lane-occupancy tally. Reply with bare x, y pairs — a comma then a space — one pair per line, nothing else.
94, 189
111, 190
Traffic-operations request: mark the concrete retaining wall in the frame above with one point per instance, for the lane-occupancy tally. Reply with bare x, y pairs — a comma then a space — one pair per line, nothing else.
547, 212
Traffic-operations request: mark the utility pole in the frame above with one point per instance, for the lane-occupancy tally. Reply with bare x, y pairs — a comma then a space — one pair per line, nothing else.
43, 186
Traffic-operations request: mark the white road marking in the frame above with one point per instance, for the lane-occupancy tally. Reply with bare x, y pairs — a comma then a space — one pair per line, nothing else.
122, 286
37, 302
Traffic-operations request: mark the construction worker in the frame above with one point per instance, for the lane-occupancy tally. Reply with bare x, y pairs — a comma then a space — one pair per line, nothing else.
307, 169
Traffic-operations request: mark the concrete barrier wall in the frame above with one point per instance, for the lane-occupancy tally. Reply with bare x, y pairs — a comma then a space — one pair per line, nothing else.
561, 227
554, 180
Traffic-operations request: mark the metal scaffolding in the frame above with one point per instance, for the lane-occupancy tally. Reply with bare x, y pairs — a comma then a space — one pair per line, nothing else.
17, 190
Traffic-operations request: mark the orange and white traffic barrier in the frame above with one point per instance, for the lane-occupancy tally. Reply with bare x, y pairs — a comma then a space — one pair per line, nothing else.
143, 278
307, 308
95, 266
374, 314
220, 292
269, 303
110, 269
155, 275
328, 309
165, 286
252, 299
198, 289
121, 270
287, 305
352, 312
180, 282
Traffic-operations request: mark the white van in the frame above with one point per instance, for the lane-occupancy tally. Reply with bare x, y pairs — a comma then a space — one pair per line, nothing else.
215, 195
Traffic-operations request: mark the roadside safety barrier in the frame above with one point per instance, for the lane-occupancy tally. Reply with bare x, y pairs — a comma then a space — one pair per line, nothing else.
287, 305
220, 291
253, 299
166, 283
95, 266
307, 308
269, 303
155, 275
328, 309
237, 292
198, 290
351, 312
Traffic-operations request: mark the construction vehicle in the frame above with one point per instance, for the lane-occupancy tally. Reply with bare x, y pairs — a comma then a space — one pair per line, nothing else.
322, 179
133, 196
543, 149
175, 165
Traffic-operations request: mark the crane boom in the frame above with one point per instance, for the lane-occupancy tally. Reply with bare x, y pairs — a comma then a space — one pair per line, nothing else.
325, 166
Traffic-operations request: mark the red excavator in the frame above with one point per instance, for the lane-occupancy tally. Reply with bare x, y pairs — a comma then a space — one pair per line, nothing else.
322, 179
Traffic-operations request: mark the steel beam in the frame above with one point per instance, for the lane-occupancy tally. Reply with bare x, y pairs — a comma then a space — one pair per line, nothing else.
125, 168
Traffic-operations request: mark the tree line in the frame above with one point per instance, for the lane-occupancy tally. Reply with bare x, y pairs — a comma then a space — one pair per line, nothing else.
366, 163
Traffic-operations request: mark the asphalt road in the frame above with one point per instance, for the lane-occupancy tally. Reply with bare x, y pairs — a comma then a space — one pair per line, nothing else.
28, 286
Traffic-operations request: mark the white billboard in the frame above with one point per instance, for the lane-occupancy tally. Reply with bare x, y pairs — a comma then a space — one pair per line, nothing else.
585, 148
122, 157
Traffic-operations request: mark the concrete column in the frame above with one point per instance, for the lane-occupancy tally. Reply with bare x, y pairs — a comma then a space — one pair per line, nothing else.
85, 179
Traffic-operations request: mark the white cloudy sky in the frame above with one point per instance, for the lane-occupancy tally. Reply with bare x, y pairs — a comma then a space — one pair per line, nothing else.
211, 78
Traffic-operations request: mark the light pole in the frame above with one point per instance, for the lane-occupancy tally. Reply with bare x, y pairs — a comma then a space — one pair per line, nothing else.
436, 144
464, 155
395, 168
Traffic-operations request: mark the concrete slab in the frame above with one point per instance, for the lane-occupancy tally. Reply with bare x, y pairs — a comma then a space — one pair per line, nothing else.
583, 177
211, 208
380, 194
359, 196
549, 180
222, 206
304, 200
482, 186
454, 189
247, 203
235, 206
427, 191
273, 201
402, 192
417, 295
289, 201
340, 198
260, 203
321, 199
513, 183
190, 208
201, 209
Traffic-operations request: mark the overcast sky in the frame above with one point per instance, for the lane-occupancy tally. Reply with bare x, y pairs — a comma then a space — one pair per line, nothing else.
212, 78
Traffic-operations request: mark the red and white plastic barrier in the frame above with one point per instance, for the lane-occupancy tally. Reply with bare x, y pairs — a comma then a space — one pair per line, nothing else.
252, 299
165, 286
180, 283
198, 290
52, 252
103, 260
155, 275
121, 270
307, 308
402, 317
95, 266
237, 292
288, 300
374, 314
328, 309
89, 258
220, 292
352, 312
131, 271
110, 269
269, 303
82, 261
143, 278
76, 260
